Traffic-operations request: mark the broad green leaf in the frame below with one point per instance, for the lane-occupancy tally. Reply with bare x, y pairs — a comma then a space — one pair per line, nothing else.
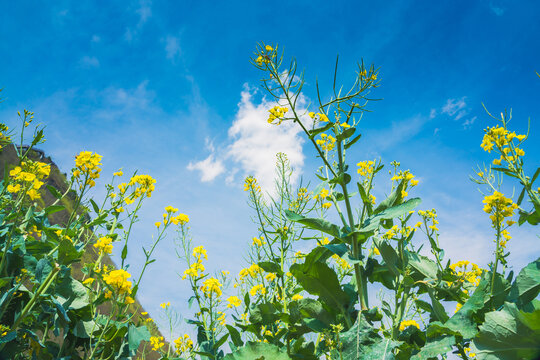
351, 142
136, 335
264, 314
422, 264
319, 279
315, 223
72, 294
390, 256
235, 336
270, 267
43, 268
83, 329
258, 351
362, 342
54, 192
372, 222
392, 199
508, 334
435, 347
53, 209
67, 253
527, 284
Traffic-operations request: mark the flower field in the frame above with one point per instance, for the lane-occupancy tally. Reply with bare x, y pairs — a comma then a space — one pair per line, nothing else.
62, 298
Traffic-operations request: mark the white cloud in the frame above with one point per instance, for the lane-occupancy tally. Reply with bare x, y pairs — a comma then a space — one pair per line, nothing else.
455, 108
468, 123
89, 62
210, 168
253, 144
144, 11
172, 47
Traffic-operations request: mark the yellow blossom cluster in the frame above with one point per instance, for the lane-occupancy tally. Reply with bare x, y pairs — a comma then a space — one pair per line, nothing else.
371, 77
4, 138
429, 216
28, 176
499, 207
211, 286
251, 184
472, 276
326, 142
318, 117
221, 318
270, 277
257, 289
252, 271
118, 280
196, 269
303, 194
104, 245
469, 353
365, 168
265, 58
87, 168
258, 241
406, 323
183, 344
156, 342
502, 139
277, 112
296, 297
409, 181
168, 217
233, 301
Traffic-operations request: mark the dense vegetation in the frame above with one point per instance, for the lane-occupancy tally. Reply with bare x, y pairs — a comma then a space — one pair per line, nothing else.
288, 305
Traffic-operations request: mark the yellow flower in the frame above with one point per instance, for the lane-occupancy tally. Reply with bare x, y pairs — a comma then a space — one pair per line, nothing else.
270, 277
406, 323
104, 245
269, 48
326, 205
118, 280
13, 188
157, 342
257, 241
165, 305
118, 173
183, 344
297, 297
233, 301
157, 224
211, 286
129, 300
257, 289
88, 281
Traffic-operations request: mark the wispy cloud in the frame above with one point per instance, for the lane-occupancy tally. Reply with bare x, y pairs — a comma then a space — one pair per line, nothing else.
172, 47
89, 62
457, 109
144, 12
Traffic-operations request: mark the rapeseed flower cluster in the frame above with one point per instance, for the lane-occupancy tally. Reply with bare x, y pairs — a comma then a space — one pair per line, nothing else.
406, 323
104, 245
251, 184
118, 280
503, 140
5, 139
264, 58
326, 142
365, 168
211, 286
156, 342
409, 181
233, 301
252, 271
430, 216
183, 344
168, 217
257, 289
322, 196
472, 276
87, 168
343, 264
28, 176
196, 269
277, 112
499, 207
258, 241
318, 117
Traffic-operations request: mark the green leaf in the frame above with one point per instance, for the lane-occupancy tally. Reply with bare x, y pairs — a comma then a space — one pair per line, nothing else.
83, 329
315, 132
94, 206
527, 284
235, 336
319, 279
362, 342
258, 351
72, 294
54, 192
372, 222
392, 199
53, 209
365, 199
43, 268
342, 178
422, 264
67, 253
136, 335
347, 133
390, 256
508, 334
350, 143
270, 267
435, 347
264, 314
315, 223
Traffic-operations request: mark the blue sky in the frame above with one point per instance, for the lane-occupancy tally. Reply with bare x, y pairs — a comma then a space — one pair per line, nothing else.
166, 88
